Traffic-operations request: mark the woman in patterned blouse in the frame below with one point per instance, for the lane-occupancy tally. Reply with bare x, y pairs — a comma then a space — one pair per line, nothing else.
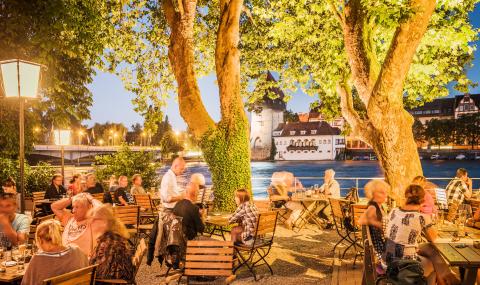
112, 253
246, 215
404, 228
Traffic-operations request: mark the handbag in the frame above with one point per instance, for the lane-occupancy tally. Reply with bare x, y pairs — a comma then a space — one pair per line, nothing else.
403, 271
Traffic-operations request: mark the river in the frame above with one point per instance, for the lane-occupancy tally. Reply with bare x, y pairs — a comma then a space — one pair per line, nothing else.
311, 173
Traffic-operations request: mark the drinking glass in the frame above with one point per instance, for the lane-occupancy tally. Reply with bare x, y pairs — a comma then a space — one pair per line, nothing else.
20, 262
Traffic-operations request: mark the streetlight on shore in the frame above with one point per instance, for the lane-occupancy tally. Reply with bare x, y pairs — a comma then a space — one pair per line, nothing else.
62, 138
80, 136
20, 79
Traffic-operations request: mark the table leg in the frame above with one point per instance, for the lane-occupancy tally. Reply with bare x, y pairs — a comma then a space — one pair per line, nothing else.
470, 276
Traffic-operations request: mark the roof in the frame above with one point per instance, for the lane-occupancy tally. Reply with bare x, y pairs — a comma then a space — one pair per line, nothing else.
475, 97
322, 128
446, 106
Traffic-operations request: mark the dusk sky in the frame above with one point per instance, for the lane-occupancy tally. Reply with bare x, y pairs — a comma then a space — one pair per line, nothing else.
111, 102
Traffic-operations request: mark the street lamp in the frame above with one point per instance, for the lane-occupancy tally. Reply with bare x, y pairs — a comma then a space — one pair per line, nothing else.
80, 136
62, 138
100, 142
20, 79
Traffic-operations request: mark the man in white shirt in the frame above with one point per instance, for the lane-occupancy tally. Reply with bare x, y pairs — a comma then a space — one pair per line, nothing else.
170, 193
330, 188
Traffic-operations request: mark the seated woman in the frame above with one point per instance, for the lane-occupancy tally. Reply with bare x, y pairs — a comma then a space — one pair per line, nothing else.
112, 253
428, 206
404, 227
246, 215
281, 187
54, 258
373, 216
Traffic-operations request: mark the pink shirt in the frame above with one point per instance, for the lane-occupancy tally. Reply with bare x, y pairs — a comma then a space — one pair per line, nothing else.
428, 206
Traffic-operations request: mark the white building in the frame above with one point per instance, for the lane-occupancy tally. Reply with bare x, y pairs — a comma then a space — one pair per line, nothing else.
265, 118
308, 141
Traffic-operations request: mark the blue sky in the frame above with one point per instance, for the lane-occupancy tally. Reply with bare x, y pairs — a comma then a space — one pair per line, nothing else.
111, 102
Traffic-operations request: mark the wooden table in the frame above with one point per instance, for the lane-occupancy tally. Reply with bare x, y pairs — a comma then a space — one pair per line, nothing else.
12, 274
456, 254
219, 224
314, 202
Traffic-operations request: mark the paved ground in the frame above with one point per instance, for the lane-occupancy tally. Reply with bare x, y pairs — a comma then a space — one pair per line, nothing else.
296, 258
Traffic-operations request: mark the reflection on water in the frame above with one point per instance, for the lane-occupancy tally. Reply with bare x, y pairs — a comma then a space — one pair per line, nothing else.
312, 172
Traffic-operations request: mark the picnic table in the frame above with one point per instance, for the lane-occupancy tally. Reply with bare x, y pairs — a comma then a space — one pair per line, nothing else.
219, 223
311, 206
460, 251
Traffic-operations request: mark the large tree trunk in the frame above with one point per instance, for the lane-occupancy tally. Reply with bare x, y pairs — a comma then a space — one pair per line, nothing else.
225, 145
387, 127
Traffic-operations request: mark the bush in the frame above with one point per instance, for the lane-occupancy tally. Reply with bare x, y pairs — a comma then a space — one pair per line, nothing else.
127, 162
37, 178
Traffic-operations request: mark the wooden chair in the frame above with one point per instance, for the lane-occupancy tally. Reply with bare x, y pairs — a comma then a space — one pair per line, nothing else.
204, 196
209, 258
357, 211
254, 255
130, 217
278, 206
84, 276
369, 272
148, 210
98, 196
136, 261
35, 223
37, 207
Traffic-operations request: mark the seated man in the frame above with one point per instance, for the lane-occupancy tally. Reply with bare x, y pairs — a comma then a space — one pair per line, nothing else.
93, 187
330, 188
14, 227
191, 222
56, 189
280, 190
120, 194
460, 187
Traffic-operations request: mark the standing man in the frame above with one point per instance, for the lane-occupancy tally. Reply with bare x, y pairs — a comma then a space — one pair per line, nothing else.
170, 193
460, 187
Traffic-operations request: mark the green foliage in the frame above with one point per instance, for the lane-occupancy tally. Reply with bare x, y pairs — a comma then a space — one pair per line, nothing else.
127, 162
67, 36
37, 178
439, 132
110, 133
169, 144
418, 131
302, 41
273, 150
468, 129
289, 116
228, 164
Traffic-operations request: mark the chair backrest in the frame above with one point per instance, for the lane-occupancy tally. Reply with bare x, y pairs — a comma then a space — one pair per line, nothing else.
98, 196
38, 196
475, 204
357, 212
204, 196
441, 198
209, 258
266, 226
83, 276
262, 205
129, 215
369, 272
144, 201
139, 254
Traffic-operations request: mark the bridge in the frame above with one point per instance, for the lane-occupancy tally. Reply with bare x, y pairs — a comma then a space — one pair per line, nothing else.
76, 152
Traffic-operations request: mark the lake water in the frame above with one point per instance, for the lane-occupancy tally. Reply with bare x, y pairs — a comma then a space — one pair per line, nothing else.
311, 173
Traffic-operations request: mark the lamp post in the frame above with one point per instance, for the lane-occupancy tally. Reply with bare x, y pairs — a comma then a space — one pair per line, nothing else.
20, 79
62, 138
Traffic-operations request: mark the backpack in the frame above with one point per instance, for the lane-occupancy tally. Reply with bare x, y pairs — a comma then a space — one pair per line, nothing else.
403, 271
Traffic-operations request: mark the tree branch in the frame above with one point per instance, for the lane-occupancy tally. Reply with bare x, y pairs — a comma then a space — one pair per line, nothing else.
360, 127
399, 57
227, 61
358, 38
182, 61
340, 16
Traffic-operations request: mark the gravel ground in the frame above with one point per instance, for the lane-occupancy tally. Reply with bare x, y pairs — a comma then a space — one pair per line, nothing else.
296, 258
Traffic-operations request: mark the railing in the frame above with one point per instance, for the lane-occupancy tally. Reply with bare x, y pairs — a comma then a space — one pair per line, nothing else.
260, 184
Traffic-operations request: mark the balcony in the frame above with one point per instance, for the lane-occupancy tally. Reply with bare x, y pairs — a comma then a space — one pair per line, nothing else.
307, 147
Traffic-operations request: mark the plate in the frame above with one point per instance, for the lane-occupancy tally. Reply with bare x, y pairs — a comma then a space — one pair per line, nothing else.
9, 263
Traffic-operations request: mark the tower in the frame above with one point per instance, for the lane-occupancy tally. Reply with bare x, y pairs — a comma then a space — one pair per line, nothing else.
267, 116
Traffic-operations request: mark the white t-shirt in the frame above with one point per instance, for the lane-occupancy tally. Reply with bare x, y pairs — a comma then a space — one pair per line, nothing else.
169, 188
333, 188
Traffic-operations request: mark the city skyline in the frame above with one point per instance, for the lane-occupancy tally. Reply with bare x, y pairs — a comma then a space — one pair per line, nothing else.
108, 88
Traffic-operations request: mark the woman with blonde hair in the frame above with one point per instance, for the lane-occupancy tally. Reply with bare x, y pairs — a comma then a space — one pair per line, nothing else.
54, 258
112, 253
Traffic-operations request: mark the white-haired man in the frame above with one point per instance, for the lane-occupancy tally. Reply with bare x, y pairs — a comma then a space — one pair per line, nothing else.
78, 228
170, 193
330, 188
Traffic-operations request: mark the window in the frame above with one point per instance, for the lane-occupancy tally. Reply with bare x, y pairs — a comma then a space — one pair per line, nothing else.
460, 108
436, 111
292, 142
313, 132
329, 151
428, 112
339, 141
324, 141
261, 123
303, 132
329, 141
292, 133
418, 112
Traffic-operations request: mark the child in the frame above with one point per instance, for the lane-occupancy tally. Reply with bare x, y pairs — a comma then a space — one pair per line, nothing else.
246, 215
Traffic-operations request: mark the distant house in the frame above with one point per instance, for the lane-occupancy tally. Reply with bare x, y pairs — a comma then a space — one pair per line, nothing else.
308, 141
447, 108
